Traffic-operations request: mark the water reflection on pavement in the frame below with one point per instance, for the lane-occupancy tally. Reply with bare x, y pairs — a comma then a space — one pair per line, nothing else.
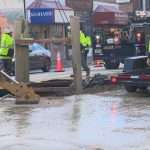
112, 120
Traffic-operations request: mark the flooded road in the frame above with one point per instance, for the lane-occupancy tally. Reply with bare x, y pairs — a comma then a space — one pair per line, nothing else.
113, 120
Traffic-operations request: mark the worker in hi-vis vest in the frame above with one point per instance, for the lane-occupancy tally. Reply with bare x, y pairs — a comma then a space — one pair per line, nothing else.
148, 59
85, 44
6, 51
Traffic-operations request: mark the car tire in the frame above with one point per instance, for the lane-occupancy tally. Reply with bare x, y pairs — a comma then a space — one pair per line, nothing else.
130, 88
46, 65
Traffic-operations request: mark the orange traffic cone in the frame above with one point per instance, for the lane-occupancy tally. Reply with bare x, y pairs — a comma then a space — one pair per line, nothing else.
59, 64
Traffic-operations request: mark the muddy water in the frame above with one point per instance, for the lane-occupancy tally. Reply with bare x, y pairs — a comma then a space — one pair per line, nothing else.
112, 120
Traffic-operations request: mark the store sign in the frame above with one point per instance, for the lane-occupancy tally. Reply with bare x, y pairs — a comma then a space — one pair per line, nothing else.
122, 1
41, 16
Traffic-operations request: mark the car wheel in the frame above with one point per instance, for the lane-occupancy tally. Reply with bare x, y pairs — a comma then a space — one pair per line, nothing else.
46, 65
131, 88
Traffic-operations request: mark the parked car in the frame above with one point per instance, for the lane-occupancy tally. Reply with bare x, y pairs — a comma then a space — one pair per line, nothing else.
39, 57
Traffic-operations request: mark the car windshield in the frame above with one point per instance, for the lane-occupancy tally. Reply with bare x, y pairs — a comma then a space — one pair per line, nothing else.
36, 46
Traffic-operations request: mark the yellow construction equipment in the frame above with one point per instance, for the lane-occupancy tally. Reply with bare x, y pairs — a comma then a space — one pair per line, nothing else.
24, 94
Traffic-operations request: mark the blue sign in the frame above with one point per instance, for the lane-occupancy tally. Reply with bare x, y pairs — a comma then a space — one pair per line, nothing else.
41, 16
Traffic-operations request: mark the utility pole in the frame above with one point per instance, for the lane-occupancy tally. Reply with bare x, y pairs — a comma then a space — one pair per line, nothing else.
24, 8
91, 15
76, 53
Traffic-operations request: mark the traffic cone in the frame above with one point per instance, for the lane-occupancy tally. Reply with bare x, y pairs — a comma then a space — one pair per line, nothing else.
59, 64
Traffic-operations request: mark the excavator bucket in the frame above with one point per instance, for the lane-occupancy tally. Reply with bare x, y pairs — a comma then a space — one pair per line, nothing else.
24, 94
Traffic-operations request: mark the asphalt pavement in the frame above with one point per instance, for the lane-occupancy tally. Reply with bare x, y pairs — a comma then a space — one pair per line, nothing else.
38, 76
110, 120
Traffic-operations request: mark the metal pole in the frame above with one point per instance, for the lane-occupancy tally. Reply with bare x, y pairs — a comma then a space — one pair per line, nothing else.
91, 17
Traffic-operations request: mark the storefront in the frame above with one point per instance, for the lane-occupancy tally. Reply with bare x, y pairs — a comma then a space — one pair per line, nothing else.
49, 19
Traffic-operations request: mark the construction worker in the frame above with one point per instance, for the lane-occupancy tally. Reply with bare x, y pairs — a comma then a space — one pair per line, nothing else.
88, 46
0, 34
6, 51
85, 43
148, 60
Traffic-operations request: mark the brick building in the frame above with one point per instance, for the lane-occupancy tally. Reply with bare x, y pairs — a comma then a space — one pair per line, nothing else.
131, 5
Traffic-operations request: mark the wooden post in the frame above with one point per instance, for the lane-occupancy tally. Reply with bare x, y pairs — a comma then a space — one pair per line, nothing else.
21, 57
22, 64
76, 53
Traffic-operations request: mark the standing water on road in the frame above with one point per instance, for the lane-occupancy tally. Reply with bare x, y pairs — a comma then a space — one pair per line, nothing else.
112, 120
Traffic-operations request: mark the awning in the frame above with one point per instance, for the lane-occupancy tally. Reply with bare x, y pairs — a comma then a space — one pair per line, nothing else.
105, 15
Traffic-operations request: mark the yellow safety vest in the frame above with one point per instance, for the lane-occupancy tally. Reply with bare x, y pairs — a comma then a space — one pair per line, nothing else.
149, 46
82, 39
88, 41
7, 42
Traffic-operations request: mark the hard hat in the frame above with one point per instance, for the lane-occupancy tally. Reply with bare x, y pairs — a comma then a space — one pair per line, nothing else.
7, 30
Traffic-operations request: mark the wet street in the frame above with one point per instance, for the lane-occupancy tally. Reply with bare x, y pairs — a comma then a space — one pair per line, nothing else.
113, 120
